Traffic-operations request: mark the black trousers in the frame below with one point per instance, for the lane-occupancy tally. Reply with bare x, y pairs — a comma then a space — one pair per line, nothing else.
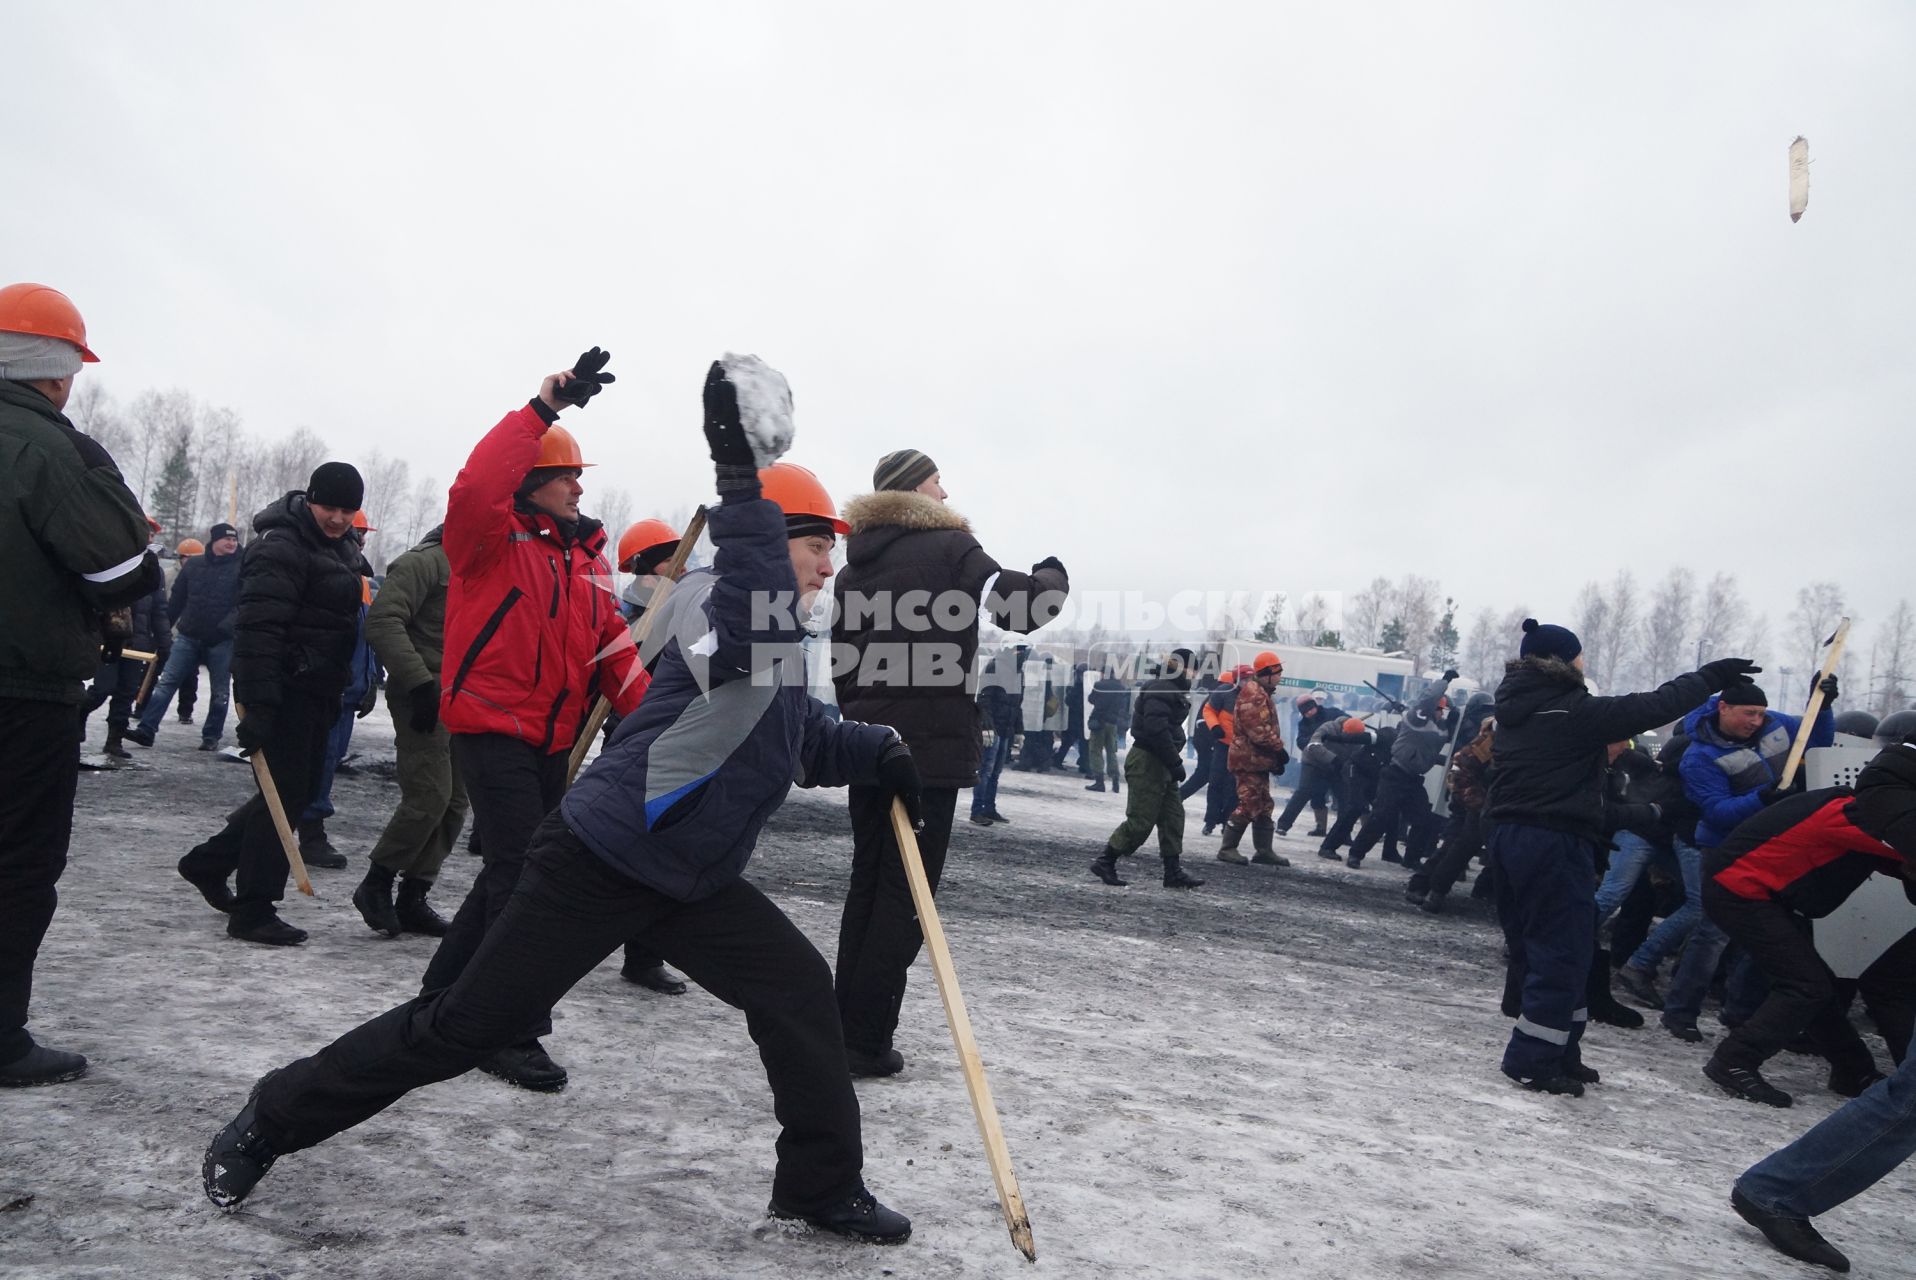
878, 935
1220, 793
1461, 840
249, 843
1313, 789
1353, 802
569, 913
1206, 746
1802, 989
39, 772
1888, 988
1400, 798
116, 685
512, 786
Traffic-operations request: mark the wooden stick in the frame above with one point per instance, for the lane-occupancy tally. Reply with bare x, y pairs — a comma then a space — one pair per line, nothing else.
285, 828
139, 656
146, 681
1835, 643
670, 573
999, 1156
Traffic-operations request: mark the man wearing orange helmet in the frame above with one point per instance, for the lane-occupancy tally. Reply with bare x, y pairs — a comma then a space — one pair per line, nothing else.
529, 622
652, 843
1256, 752
73, 544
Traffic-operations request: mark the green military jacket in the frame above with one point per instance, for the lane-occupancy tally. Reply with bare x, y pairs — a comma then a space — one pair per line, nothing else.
406, 625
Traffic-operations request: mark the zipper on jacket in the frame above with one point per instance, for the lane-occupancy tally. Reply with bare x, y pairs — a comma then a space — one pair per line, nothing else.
554, 611
485, 635
552, 719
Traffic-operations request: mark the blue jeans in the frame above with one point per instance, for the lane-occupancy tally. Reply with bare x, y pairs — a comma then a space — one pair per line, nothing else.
1631, 858
1743, 988
1843, 1155
984, 798
1668, 936
187, 654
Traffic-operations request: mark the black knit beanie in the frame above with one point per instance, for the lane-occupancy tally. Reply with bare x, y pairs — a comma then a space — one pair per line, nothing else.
1747, 694
337, 484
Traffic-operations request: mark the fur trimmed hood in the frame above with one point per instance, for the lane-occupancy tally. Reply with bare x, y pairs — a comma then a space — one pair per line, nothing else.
904, 510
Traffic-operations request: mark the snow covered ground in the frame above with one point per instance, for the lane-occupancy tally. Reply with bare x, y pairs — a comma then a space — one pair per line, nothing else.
1284, 1073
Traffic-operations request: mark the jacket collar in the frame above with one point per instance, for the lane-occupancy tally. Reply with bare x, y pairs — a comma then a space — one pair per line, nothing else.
906, 510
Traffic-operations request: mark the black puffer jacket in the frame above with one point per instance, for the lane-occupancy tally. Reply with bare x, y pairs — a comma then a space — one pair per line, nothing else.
1157, 720
299, 603
905, 635
205, 599
151, 634
1110, 704
1549, 759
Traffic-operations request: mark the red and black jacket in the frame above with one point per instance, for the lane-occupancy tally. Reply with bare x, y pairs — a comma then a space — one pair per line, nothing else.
1810, 852
530, 615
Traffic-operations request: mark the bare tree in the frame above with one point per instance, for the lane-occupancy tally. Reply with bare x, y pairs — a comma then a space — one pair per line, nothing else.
613, 507
1369, 610
1485, 649
1620, 631
1818, 606
1592, 614
1895, 661
267, 471
160, 421
218, 440
1721, 616
388, 486
1419, 606
1663, 642
94, 411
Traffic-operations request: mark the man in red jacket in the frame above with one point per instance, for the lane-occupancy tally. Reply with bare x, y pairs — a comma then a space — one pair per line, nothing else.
528, 619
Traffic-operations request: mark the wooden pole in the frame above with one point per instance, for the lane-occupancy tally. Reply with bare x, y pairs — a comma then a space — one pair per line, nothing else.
996, 1153
286, 838
146, 681
1815, 709
669, 576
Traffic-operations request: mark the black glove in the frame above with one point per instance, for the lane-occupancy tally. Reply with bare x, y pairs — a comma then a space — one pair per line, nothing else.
1449, 675
255, 728
367, 700
1829, 687
1726, 673
1177, 769
587, 380
1049, 562
1770, 795
898, 775
423, 701
724, 433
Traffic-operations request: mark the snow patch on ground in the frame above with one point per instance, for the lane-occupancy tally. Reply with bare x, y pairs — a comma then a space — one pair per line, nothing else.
1286, 1072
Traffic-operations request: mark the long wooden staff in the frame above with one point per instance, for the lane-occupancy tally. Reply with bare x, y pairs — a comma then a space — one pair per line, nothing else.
146, 681
640, 633
1835, 643
999, 1156
287, 840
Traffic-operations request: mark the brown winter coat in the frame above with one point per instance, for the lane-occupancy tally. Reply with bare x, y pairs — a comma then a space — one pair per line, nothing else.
1258, 746
1470, 772
900, 660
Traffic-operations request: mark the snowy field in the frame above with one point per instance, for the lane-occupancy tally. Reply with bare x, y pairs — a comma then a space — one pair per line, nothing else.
1285, 1073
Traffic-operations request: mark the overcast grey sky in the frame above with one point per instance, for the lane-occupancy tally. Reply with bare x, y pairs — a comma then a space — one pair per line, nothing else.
1213, 295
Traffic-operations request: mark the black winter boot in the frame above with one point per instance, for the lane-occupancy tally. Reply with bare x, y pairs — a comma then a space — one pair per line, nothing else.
374, 898
1261, 832
1322, 815
113, 748
1746, 1083
859, 1216
1227, 851
1603, 1006
1792, 1236
1106, 867
316, 849
1175, 877
268, 930
236, 1159
1096, 786
415, 913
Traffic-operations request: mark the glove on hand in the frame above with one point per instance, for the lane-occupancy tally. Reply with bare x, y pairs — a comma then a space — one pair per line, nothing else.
724, 432
898, 775
423, 699
1049, 562
1177, 769
587, 379
1725, 673
1829, 687
1450, 674
255, 728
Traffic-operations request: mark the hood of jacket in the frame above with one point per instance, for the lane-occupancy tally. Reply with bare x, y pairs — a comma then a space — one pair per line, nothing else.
878, 520
1531, 684
290, 512
435, 536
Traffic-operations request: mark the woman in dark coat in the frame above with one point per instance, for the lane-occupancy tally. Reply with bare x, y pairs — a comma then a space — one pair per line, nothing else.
904, 641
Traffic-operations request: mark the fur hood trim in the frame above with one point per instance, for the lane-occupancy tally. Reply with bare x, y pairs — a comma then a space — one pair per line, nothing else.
905, 510
1555, 669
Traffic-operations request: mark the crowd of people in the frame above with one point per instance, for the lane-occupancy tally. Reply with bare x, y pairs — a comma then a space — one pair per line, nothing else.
496, 636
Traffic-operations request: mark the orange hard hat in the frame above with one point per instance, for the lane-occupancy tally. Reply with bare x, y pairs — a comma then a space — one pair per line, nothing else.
1267, 659
645, 535
360, 522
799, 493
1354, 725
44, 312
1227, 677
190, 547
557, 448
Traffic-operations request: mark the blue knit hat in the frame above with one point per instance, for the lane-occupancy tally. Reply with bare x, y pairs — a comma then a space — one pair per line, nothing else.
1542, 640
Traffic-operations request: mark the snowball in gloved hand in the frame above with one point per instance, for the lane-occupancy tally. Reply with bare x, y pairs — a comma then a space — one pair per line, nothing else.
764, 406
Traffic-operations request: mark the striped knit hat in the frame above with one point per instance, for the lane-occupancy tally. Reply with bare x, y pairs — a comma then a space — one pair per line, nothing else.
903, 471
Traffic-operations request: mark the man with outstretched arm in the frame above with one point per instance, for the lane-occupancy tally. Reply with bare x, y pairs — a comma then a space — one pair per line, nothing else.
651, 843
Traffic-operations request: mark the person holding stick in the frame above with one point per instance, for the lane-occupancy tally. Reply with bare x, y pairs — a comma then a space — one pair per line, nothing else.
73, 545
530, 623
651, 843
202, 607
296, 630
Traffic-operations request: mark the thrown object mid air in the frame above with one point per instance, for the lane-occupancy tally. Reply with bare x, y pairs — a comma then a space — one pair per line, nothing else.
1799, 178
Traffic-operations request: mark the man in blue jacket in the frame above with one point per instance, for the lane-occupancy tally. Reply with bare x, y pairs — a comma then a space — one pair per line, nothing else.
651, 843
1737, 751
203, 606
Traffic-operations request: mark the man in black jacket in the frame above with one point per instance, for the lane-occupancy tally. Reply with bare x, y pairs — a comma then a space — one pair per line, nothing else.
1546, 801
297, 627
904, 640
1110, 713
1314, 782
73, 544
1153, 767
202, 607
120, 677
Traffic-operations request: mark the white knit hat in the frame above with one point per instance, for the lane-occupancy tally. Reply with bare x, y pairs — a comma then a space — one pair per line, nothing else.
25, 357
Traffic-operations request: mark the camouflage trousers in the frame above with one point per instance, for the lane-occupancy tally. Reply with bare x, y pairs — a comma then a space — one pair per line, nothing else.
1253, 796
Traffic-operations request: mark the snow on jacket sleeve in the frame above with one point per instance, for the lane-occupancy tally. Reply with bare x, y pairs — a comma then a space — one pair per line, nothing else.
1601, 721
479, 505
840, 753
409, 580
